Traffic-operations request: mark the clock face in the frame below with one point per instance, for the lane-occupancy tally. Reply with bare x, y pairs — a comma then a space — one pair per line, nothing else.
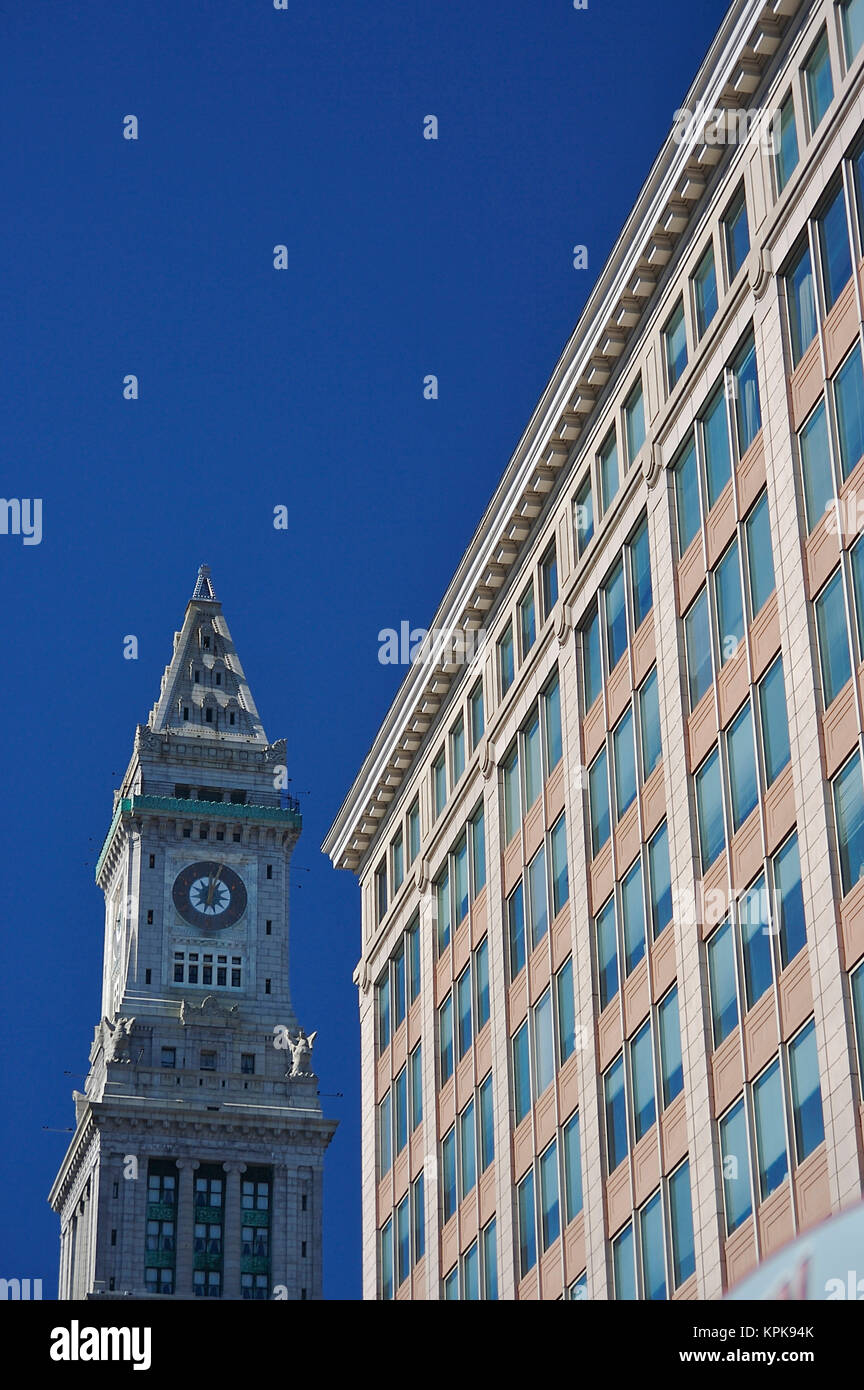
209, 895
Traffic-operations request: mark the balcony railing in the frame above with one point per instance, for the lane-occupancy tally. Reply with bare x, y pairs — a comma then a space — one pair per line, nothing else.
219, 796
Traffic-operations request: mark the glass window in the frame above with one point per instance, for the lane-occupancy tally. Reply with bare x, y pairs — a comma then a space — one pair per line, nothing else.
527, 621
439, 783
607, 952
736, 1167
705, 290
538, 914
400, 1109
737, 234
816, 466
820, 88
741, 754
834, 656
506, 668
382, 992
834, 250
624, 749
478, 849
463, 1011
481, 982
721, 982
451, 1285
681, 1212
801, 303
775, 721
467, 1149
592, 668
381, 890
616, 1114
634, 417
849, 812
852, 16
584, 516
857, 557
445, 1037
550, 1210
457, 750
572, 1167
475, 701
623, 1265
386, 1261
415, 1062
532, 761
770, 1130
715, 443
385, 1135
616, 616
755, 941
633, 914
697, 641
785, 138
549, 580
642, 1068
608, 466
398, 861
552, 723
516, 930
598, 797
858, 1007
748, 415
730, 607
414, 831
487, 1124
651, 1244
686, 476
671, 1065
544, 1043
521, 1073
471, 1274
512, 807
709, 810
448, 1173
560, 877
660, 880
849, 400
640, 574
806, 1092
566, 1010
414, 959
490, 1262
527, 1231
649, 721
789, 901
760, 564
675, 340
442, 910
398, 987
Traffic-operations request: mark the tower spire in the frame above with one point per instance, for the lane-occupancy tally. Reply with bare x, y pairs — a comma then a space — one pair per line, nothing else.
204, 585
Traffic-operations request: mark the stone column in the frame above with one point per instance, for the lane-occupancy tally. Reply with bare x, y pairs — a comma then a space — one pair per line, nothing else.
278, 1229
231, 1231
185, 1227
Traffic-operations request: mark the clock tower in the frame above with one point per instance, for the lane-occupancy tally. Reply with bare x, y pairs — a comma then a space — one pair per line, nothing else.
195, 1170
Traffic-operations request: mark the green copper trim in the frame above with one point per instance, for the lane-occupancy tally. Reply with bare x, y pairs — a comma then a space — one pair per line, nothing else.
203, 1260
254, 1264
159, 1259
212, 1215
255, 1218
131, 805
160, 1211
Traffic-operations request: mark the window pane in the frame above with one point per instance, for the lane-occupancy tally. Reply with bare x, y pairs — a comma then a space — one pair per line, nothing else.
660, 880
445, 1031
806, 1092
801, 302
748, 412
849, 810
715, 442
675, 336
560, 876
598, 797
442, 910
770, 1130
787, 881
730, 607
820, 88
607, 952
478, 849
649, 719
451, 1286
857, 558
697, 641
566, 1007
852, 15
521, 1073
516, 930
592, 668
755, 941
721, 980
849, 398
816, 466
552, 708
709, 809
460, 879
616, 616
584, 516
467, 1149
623, 1265
527, 621
572, 1167
742, 767
705, 291
487, 1125
414, 959
681, 1210
387, 1261
400, 1096
616, 1114
448, 1173
760, 563
544, 1043
640, 574
439, 780
642, 1064
477, 715
481, 982
471, 1274
786, 143
633, 913
858, 1006
687, 496
634, 414
670, 1047
550, 1210
737, 235
385, 1135
457, 751
505, 659
527, 1233
463, 1007
775, 721
403, 1240
537, 911
736, 1167
833, 639
382, 990
608, 470
414, 831
549, 579
416, 1061
512, 807
652, 1243
533, 763
834, 248
624, 749
490, 1262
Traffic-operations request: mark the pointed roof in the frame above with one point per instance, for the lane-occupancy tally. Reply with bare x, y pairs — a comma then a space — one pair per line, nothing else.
204, 691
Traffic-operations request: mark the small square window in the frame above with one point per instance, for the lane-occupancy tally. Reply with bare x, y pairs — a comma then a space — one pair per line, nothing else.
169, 1057
187, 832
237, 836
247, 1063
208, 1060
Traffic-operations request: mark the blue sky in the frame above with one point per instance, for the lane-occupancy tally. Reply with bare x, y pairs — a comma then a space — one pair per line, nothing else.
261, 388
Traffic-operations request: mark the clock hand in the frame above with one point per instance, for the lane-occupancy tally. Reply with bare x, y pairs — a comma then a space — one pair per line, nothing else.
213, 882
